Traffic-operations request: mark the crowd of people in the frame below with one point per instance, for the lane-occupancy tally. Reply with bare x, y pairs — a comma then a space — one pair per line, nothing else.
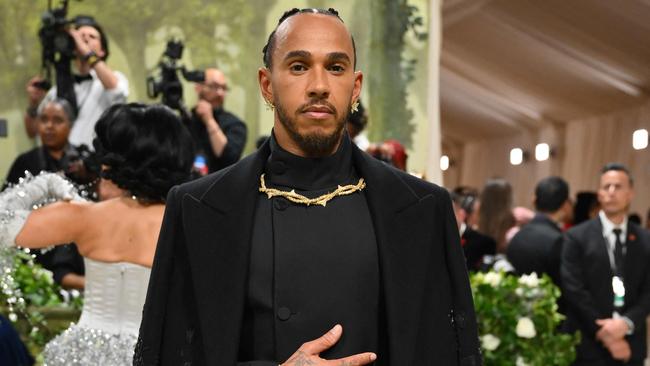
270, 258
592, 250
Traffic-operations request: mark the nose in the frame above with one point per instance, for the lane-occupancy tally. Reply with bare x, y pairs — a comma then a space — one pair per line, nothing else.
319, 84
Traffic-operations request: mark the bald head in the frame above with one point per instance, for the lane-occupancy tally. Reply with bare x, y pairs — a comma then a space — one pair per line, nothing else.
284, 26
214, 88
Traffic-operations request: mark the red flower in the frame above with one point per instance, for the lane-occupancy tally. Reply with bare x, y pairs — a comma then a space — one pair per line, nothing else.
631, 237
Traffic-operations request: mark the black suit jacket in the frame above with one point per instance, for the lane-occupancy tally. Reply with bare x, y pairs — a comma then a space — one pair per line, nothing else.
587, 284
477, 245
195, 302
537, 247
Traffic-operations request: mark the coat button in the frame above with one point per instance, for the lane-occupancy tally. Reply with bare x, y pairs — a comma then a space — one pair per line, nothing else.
281, 203
284, 313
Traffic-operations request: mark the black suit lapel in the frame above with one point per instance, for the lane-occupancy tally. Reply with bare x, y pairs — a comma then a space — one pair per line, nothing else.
601, 248
218, 229
399, 220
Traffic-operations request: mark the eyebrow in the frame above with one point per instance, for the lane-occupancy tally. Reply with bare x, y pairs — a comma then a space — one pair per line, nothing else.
338, 56
332, 56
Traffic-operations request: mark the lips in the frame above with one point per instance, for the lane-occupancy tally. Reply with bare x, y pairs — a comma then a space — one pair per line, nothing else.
318, 112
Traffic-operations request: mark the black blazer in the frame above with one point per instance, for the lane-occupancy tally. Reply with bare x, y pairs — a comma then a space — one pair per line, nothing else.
476, 246
587, 284
195, 302
537, 247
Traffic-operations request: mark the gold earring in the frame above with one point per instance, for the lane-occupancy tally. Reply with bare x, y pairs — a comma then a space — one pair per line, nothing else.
269, 105
355, 106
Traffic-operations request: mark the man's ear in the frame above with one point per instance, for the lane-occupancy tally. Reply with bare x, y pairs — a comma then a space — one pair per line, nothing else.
358, 81
264, 79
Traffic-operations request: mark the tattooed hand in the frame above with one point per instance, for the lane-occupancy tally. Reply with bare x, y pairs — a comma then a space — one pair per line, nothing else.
308, 353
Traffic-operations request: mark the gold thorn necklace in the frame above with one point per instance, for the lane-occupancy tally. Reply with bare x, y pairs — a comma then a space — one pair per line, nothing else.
320, 200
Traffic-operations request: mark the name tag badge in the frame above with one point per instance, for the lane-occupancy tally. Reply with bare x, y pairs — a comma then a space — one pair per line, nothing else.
619, 291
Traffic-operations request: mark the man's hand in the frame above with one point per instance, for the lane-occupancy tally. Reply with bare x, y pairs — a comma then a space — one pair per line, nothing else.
204, 111
34, 93
308, 353
620, 350
80, 44
611, 330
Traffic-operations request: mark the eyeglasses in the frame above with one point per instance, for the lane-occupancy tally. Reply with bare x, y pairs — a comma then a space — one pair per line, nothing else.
216, 86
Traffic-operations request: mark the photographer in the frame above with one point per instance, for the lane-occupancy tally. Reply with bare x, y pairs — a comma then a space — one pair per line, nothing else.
218, 135
96, 86
55, 155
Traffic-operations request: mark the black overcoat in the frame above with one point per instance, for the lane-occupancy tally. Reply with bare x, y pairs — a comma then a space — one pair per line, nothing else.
197, 291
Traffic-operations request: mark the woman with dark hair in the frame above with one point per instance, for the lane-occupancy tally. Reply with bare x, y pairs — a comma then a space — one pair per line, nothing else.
144, 151
495, 213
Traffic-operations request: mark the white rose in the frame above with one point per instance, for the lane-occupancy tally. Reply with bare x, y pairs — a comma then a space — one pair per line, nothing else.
521, 362
490, 342
493, 278
525, 328
530, 280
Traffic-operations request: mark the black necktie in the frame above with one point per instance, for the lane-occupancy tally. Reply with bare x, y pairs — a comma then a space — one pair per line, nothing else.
618, 253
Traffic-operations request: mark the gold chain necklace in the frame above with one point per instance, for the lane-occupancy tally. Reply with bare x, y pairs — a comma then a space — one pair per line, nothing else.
320, 200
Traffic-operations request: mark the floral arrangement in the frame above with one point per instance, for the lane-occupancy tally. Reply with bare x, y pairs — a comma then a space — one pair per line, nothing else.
27, 291
518, 320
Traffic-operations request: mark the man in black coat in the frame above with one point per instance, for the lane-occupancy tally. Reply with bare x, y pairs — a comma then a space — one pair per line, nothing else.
606, 278
475, 245
537, 247
255, 263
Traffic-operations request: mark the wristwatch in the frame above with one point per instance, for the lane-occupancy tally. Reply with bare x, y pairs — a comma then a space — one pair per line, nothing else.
91, 58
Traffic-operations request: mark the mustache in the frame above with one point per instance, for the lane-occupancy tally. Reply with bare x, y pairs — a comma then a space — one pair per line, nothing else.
318, 102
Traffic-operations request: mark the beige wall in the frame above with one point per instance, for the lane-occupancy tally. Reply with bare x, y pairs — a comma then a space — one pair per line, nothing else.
581, 148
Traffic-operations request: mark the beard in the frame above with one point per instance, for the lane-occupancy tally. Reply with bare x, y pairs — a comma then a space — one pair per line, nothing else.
313, 144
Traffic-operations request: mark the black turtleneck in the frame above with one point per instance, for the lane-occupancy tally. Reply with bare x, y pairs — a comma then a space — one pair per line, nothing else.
311, 266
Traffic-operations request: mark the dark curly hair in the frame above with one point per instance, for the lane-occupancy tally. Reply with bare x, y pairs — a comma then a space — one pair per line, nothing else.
147, 149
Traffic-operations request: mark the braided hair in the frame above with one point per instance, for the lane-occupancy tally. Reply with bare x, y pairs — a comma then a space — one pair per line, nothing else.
268, 49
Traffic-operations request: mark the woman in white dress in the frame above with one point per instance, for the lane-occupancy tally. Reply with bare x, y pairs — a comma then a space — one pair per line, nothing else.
144, 151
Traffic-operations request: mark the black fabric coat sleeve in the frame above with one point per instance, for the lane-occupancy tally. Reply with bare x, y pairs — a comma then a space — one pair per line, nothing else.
169, 332
236, 133
641, 308
574, 285
464, 316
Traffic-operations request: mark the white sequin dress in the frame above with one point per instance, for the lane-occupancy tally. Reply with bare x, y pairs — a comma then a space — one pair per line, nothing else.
108, 327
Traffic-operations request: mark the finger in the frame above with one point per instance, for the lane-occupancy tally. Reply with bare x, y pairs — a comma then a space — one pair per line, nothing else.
326, 341
601, 321
354, 360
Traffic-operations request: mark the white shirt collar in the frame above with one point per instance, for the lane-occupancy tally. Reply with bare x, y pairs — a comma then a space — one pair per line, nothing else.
609, 226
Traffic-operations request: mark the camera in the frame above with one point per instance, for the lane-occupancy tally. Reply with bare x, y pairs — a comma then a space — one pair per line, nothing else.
58, 49
168, 82
56, 42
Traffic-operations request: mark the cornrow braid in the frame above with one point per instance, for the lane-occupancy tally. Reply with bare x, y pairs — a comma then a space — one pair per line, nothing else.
267, 51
